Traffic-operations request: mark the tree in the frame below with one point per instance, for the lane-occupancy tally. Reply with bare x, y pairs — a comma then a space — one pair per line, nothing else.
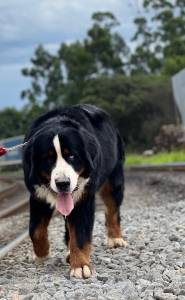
60, 79
107, 47
79, 66
95, 70
10, 122
139, 105
144, 59
47, 79
164, 40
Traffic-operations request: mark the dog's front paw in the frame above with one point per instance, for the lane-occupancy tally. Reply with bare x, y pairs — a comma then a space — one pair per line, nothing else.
40, 260
116, 242
82, 272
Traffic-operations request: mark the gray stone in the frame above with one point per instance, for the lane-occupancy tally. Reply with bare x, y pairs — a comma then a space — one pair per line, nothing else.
106, 260
164, 296
169, 290
181, 298
181, 292
27, 297
174, 238
59, 295
142, 285
103, 277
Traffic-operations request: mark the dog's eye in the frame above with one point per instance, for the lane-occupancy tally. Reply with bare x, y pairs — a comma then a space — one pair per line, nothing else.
67, 154
71, 157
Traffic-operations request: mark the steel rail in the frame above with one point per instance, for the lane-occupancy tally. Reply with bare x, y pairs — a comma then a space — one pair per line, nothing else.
14, 208
9, 191
14, 243
176, 167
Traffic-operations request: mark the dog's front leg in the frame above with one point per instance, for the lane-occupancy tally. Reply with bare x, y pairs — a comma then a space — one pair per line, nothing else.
40, 215
80, 226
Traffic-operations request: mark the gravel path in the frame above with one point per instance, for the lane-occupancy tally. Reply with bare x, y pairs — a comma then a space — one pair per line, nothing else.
11, 227
152, 267
3, 185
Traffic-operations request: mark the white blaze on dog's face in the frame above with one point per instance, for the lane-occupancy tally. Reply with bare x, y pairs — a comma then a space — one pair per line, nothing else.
62, 171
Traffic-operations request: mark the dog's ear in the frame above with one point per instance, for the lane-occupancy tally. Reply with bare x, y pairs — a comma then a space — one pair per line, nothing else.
29, 164
91, 150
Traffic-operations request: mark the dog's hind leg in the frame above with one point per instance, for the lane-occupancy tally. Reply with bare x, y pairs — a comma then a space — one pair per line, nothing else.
112, 194
40, 215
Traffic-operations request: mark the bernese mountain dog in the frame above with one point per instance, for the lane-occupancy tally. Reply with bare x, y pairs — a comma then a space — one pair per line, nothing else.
70, 155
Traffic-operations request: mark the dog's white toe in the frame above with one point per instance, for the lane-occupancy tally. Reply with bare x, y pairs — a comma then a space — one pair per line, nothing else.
116, 242
83, 272
40, 260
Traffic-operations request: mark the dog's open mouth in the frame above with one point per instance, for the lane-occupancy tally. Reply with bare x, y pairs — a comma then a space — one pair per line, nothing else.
65, 203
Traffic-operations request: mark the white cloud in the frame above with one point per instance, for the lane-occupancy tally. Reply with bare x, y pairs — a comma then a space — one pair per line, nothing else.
52, 47
25, 24
34, 19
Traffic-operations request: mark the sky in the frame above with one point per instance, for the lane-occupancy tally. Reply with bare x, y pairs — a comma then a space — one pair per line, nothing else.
26, 23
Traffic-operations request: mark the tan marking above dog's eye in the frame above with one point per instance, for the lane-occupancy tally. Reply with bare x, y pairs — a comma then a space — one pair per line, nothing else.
49, 155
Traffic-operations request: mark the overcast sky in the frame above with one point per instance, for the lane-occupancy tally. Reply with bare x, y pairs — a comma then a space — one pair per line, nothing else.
26, 23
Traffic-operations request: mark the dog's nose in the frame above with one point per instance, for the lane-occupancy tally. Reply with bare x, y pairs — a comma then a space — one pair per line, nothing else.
63, 186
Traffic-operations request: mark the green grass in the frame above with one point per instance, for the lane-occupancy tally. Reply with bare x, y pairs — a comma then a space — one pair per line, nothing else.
160, 158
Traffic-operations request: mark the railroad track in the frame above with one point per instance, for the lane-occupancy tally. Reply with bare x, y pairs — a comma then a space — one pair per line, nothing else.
13, 201
14, 243
16, 187
176, 167
12, 198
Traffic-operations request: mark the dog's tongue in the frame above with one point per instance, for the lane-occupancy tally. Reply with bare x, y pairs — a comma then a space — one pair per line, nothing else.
65, 204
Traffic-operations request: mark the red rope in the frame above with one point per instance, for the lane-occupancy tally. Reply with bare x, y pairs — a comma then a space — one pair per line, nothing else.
3, 151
